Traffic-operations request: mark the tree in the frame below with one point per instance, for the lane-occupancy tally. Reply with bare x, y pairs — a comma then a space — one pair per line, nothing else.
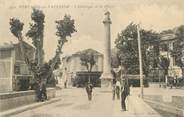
164, 64
114, 58
36, 33
16, 27
88, 60
127, 44
178, 49
65, 28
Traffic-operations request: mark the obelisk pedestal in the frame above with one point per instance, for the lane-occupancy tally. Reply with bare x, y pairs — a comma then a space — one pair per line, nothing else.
106, 78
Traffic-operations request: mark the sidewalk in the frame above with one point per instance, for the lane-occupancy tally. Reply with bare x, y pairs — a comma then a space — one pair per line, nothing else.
168, 102
136, 106
139, 108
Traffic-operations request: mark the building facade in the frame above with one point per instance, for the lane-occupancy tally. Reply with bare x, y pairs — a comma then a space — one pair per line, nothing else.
13, 69
71, 65
166, 45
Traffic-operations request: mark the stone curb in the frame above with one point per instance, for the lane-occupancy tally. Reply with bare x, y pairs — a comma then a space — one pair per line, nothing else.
141, 108
28, 107
166, 108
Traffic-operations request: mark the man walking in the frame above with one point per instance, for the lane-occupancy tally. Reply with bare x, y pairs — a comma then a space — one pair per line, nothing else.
89, 89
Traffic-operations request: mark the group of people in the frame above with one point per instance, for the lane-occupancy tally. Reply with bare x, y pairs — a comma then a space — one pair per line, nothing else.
174, 82
118, 88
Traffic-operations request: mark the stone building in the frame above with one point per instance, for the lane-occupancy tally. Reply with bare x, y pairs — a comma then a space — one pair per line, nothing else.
13, 69
167, 44
71, 65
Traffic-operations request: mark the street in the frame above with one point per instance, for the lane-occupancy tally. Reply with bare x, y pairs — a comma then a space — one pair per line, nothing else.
74, 103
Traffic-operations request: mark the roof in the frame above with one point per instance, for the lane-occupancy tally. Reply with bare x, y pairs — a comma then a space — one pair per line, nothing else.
168, 37
26, 45
77, 54
8, 46
87, 50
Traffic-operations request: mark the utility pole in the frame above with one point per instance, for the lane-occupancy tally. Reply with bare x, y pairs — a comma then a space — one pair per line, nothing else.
121, 70
140, 61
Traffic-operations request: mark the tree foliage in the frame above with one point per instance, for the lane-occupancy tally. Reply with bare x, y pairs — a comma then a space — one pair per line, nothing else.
127, 44
164, 64
178, 49
88, 59
55, 62
37, 27
16, 27
36, 33
65, 28
114, 58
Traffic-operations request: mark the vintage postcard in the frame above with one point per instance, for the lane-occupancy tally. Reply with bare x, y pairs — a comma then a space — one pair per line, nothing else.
92, 58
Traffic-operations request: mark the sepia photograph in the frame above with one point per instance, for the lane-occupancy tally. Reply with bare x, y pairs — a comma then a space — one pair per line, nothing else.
92, 58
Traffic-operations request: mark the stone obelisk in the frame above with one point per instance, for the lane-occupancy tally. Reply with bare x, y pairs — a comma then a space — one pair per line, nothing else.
106, 77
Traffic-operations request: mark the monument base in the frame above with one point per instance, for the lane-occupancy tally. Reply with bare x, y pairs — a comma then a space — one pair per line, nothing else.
106, 80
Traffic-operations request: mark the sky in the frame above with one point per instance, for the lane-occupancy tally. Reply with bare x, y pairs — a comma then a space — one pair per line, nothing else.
88, 15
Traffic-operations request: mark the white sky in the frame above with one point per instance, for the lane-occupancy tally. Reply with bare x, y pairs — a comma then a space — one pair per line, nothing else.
152, 14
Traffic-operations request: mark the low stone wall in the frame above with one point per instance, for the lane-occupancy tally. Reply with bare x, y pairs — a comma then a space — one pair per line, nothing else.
174, 105
15, 99
156, 84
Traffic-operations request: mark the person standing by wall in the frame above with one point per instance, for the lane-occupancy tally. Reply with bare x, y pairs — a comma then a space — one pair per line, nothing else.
113, 88
65, 83
124, 94
118, 86
65, 77
113, 84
